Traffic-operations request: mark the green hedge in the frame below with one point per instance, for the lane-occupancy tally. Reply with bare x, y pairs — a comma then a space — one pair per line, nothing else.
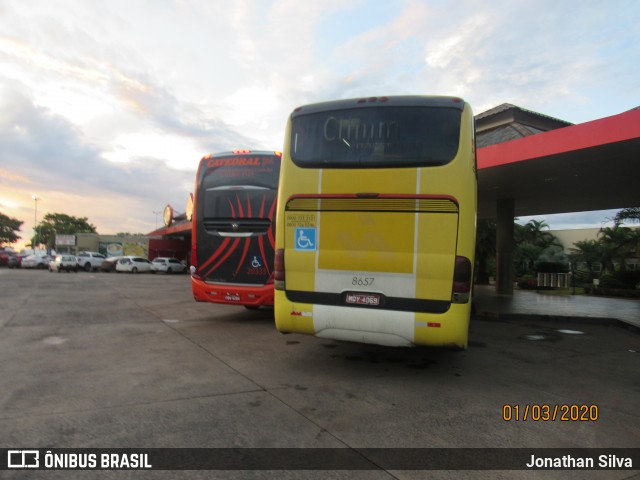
612, 292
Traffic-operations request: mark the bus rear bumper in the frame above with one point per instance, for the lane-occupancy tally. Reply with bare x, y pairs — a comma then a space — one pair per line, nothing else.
381, 327
255, 296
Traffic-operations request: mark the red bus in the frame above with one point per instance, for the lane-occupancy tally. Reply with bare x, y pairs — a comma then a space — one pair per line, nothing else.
233, 237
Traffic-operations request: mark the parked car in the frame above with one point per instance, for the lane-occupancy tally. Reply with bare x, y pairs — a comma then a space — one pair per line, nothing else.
109, 264
133, 264
5, 255
64, 262
90, 260
167, 265
15, 261
36, 261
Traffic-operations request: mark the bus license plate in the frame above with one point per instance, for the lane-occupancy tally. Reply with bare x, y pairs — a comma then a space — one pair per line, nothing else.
372, 299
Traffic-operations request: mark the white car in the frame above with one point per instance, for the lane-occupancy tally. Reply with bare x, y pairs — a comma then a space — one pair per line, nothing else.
167, 265
36, 261
64, 262
90, 260
133, 264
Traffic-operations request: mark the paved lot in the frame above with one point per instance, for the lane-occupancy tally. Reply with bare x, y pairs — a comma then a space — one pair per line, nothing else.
116, 360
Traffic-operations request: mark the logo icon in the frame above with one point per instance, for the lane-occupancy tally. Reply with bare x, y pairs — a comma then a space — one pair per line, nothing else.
255, 263
23, 459
306, 239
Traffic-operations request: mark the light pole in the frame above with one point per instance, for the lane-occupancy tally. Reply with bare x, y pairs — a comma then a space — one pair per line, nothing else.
35, 221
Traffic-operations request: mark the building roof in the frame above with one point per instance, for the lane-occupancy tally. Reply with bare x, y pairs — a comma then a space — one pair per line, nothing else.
509, 122
589, 166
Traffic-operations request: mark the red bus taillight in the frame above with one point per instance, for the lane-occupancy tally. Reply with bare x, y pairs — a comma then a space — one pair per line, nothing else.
278, 270
193, 269
461, 280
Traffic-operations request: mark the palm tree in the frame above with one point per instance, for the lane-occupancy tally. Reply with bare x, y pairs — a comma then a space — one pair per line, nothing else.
631, 213
589, 252
534, 232
618, 244
531, 240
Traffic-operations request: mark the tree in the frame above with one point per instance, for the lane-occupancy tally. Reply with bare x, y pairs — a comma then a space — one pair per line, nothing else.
531, 240
552, 259
8, 229
618, 244
534, 232
60, 224
526, 254
589, 252
631, 213
485, 249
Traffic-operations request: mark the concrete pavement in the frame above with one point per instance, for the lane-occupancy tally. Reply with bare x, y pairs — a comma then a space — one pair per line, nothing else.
528, 303
93, 360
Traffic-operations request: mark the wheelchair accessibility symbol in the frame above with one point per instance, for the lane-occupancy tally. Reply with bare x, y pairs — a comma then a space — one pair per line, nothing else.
306, 239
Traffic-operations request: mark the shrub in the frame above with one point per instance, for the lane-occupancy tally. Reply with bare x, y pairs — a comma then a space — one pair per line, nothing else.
527, 282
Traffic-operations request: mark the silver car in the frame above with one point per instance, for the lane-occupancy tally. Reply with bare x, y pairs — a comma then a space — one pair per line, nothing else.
167, 265
64, 262
36, 261
133, 264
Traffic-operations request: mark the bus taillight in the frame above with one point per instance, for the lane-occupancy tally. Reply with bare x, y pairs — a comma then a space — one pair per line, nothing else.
193, 269
461, 280
278, 270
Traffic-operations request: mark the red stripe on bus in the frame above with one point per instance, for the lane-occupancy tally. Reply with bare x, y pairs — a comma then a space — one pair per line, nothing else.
217, 253
221, 261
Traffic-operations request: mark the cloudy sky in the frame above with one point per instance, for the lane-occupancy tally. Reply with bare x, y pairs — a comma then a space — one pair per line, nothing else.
107, 106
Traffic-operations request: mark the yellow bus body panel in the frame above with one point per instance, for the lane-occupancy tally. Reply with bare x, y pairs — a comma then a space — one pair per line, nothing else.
366, 242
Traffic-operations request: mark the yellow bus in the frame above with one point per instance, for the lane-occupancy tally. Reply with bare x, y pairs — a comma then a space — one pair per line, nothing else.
375, 221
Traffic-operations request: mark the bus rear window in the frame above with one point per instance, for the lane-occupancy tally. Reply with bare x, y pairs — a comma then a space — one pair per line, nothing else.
376, 137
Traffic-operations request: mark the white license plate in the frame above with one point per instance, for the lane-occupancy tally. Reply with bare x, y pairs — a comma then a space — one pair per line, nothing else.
372, 299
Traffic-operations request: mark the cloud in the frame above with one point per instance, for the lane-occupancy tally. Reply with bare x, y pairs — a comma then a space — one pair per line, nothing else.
158, 107
42, 151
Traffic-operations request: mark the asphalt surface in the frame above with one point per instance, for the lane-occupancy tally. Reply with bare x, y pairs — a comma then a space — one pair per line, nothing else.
95, 360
